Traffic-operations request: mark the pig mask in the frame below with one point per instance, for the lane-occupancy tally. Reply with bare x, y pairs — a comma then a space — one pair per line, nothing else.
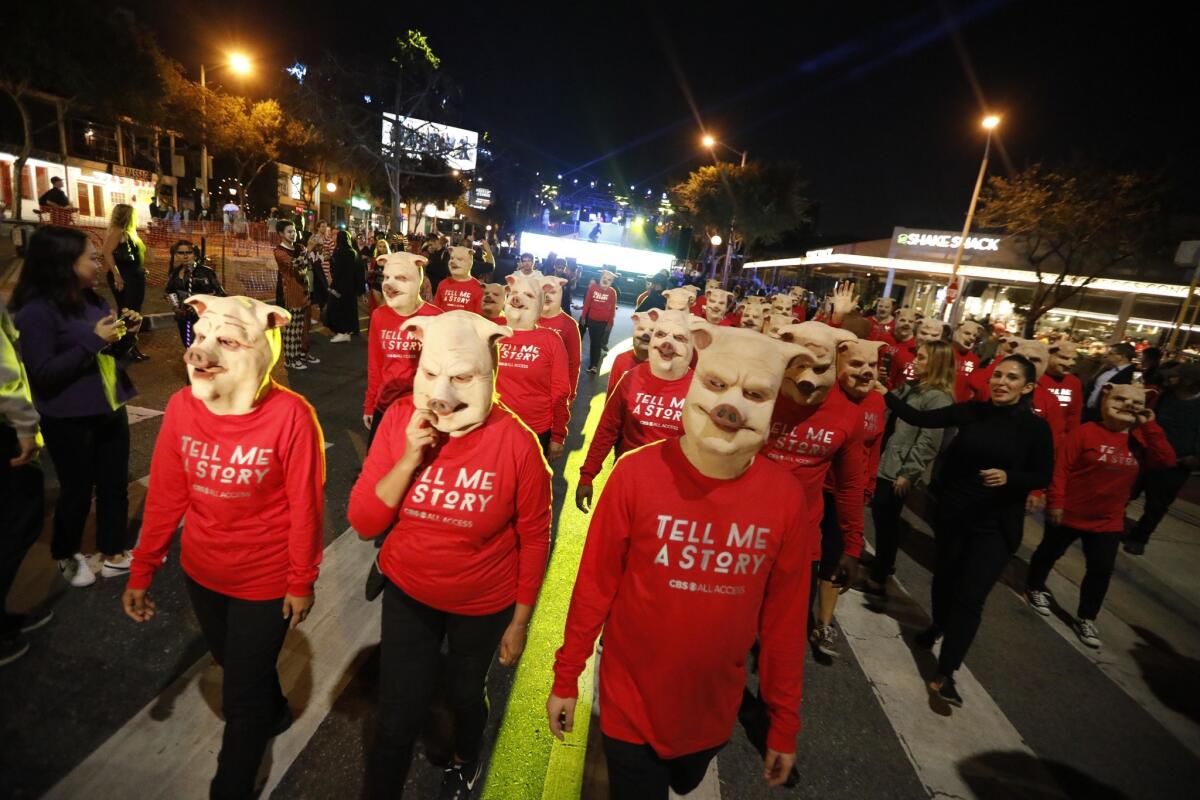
967, 336
777, 322
797, 294
403, 274
670, 344
930, 330
643, 332
1037, 352
607, 278
811, 379
680, 299
885, 307
524, 304
461, 259
455, 378
1062, 357
237, 342
552, 289
1121, 405
727, 412
710, 284
782, 304
752, 316
858, 367
717, 305
906, 323
493, 300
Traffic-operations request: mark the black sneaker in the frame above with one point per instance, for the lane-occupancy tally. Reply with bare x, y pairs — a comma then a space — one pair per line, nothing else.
928, 637
1134, 547
30, 621
458, 781
12, 648
944, 688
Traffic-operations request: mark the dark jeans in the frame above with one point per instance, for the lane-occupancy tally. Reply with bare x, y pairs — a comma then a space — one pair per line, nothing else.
134, 293
832, 541
596, 331
21, 509
635, 771
410, 648
90, 454
885, 512
1161, 487
968, 563
245, 637
1100, 550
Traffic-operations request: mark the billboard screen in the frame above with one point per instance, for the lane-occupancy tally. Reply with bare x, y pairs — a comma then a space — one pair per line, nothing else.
624, 259
458, 146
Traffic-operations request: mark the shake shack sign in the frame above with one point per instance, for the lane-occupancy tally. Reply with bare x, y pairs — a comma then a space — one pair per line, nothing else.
941, 245
948, 242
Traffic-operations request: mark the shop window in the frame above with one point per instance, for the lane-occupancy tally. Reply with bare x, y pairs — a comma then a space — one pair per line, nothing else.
90, 199
43, 180
118, 197
98, 201
6, 194
83, 200
26, 184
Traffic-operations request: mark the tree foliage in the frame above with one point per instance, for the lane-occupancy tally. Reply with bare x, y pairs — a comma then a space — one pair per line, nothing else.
764, 201
1078, 221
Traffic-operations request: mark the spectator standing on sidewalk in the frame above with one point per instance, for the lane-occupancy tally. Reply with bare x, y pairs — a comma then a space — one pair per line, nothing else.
341, 311
21, 487
75, 347
187, 276
1178, 412
124, 255
292, 292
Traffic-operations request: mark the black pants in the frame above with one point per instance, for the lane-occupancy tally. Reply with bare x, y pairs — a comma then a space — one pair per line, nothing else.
410, 646
885, 512
90, 454
635, 771
544, 440
596, 331
1161, 487
1100, 550
134, 293
833, 543
21, 509
245, 637
968, 563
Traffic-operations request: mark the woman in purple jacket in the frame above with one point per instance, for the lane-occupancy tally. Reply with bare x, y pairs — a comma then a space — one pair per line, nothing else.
75, 347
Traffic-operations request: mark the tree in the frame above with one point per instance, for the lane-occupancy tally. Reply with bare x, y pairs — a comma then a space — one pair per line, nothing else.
1070, 225
763, 201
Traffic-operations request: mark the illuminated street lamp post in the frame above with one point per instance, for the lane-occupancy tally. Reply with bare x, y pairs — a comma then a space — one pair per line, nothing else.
240, 64
989, 123
709, 142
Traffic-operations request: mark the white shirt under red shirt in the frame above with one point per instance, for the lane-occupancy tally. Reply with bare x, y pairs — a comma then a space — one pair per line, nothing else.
684, 572
456, 295
392, 356
533, 380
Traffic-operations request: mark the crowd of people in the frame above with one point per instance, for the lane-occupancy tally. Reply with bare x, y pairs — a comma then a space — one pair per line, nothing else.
751, 442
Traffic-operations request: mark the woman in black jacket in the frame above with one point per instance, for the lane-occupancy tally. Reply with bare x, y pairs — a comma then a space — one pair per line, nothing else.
1001, 453
341, 310
188, 275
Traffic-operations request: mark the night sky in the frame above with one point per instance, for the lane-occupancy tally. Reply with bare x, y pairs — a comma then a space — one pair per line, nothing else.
875, 100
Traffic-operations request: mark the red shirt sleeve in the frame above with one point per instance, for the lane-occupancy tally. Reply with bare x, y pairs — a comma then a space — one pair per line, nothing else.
781, 657
166, 501
574, 345
305, 465
1153, 439
850, 471
600, 571
1064, 460
374, 366
560, 390
369, 515
587, 301
534, 517
608, 430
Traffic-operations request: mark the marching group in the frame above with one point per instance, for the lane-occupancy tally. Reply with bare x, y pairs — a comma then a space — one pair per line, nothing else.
750, 442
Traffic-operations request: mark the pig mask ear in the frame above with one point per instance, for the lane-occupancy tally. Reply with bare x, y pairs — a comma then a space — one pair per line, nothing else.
511, 281
841, 335
199, 302
490, 331
416, 327
653, 314
702, 332
271, 316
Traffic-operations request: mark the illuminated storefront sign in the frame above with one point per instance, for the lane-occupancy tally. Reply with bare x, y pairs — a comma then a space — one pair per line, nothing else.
946, 241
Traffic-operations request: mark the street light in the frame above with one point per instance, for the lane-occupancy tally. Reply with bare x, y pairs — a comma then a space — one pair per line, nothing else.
989, 124
715, 240
331, 187
240, 64
710, 142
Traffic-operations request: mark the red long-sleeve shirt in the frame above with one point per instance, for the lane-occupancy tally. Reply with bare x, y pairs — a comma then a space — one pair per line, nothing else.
900, 358
698, 306
809, 441
533, 380
965, 366
472, 532
1095, 469
392, 356
600, 304
621, 364
684, 572
250, 491
568, 330
456, 295
642, 409
874, 412
1069, 392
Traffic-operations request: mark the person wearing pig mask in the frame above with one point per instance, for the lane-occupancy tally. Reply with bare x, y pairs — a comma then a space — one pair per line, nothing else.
883, 324
775, 323
681, 298
643, 329
241, 461
716, 310
459, 485
492, 305
599, 311
1093, 475
647, 404
966, 336
799, 303
392, 352
1064, 385
702, 301
670, 567
816, 430
902, 346
900, 369
559, 321
460, 292
753, 316
533, 379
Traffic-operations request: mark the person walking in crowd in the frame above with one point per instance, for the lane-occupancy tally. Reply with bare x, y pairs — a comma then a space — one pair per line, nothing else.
1064, 385
1178, 412
75, 349
346, 281
643, 330
596, 319
562, 323
1001, 452
1095, 470
463, 571
437, 250
21, 487
908, 458
187, 275
293, 291
459, 291
250, 551
902, 345
1119, 371
124, 255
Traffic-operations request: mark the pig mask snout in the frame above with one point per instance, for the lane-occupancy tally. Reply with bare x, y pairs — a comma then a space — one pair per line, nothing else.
444, 408
727, 418
196, 357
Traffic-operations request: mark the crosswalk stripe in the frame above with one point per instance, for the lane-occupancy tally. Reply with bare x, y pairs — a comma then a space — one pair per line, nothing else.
175, 757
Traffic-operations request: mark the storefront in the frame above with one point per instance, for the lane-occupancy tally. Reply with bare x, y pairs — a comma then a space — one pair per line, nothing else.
93, 188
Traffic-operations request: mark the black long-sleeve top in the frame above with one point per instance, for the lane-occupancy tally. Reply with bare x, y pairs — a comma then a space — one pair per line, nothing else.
1011, 438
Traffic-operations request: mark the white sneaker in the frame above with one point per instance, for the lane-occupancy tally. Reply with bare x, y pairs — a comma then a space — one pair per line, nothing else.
76, 571
296, 365
1039, 601
340, 337
311, 359
115, 568
1087, 632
